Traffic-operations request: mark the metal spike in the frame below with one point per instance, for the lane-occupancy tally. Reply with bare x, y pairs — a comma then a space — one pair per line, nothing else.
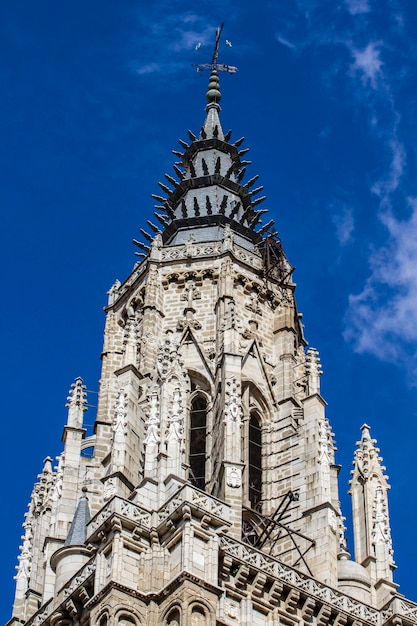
241, 174
244, 151
155, 229
167, 190
252, 181
162, 219
177, 153
258, 200
184, 144
228, 135
244, 163
257, 217
265, 228
171, 179
170, 211
178, 172
141, 245
239, 142
257, 190
141, 254
254, 221
146, 235
261, 212
191, 135
159, 198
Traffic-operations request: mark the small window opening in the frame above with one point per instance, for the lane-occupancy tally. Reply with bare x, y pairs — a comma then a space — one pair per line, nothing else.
198, 423
255, 461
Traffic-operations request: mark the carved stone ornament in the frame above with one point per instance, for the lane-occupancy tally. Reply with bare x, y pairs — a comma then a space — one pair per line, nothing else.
120, 417
152, 424
232, 610
109, 489
381, 530
232, 405
233, 476
175, 420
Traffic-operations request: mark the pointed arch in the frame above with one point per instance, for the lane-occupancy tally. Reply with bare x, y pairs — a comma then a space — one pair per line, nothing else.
256, 416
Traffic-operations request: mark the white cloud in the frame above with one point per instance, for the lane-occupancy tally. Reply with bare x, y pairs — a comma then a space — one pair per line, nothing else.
389, 183
344, 223
284, 42
368, 63
382, 319
358, 6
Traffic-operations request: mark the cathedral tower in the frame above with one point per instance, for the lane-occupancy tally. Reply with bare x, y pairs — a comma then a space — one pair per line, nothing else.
211, 492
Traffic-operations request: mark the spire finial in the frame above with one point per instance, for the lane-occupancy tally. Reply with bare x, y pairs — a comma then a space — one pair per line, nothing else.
213, 94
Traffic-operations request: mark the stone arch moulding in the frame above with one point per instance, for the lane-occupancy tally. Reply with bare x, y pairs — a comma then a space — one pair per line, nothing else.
199, 614
254, 400
126, 617
172, 616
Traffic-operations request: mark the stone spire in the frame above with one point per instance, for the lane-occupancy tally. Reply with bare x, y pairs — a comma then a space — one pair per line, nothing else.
208, 191
369, 489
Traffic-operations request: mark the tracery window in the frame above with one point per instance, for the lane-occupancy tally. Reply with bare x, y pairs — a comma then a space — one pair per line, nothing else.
198, 427
255, 460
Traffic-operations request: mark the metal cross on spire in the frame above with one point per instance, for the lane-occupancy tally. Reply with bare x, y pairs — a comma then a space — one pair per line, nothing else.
214, 65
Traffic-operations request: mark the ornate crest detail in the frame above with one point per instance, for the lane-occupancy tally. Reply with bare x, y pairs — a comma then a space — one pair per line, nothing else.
233, 476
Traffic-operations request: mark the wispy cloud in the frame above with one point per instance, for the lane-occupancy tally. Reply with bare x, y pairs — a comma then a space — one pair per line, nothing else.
157, 45
344, 223
390, 182
367, 62
356, 7
285, 42
382, 315
382, 318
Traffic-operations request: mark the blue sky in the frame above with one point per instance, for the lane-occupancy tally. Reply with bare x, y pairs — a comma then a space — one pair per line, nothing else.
94, 96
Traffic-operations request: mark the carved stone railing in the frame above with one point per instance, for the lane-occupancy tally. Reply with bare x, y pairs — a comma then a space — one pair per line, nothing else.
88, 569
147, 519
66, 592
292, 578
400, 606
124, 508
40, 616
196, 498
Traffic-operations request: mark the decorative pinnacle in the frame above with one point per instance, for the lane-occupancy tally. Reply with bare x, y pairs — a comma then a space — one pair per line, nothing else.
213, 94
77, 403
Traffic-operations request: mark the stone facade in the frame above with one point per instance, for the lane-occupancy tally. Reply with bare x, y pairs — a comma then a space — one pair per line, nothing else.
211, 494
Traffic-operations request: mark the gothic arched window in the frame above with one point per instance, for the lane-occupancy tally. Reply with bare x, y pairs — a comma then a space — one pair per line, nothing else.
198, 423
255, 460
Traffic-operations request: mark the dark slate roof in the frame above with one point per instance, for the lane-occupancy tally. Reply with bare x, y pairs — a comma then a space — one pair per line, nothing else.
78, 530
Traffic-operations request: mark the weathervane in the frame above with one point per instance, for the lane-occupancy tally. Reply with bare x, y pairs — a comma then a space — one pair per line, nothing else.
214, 65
